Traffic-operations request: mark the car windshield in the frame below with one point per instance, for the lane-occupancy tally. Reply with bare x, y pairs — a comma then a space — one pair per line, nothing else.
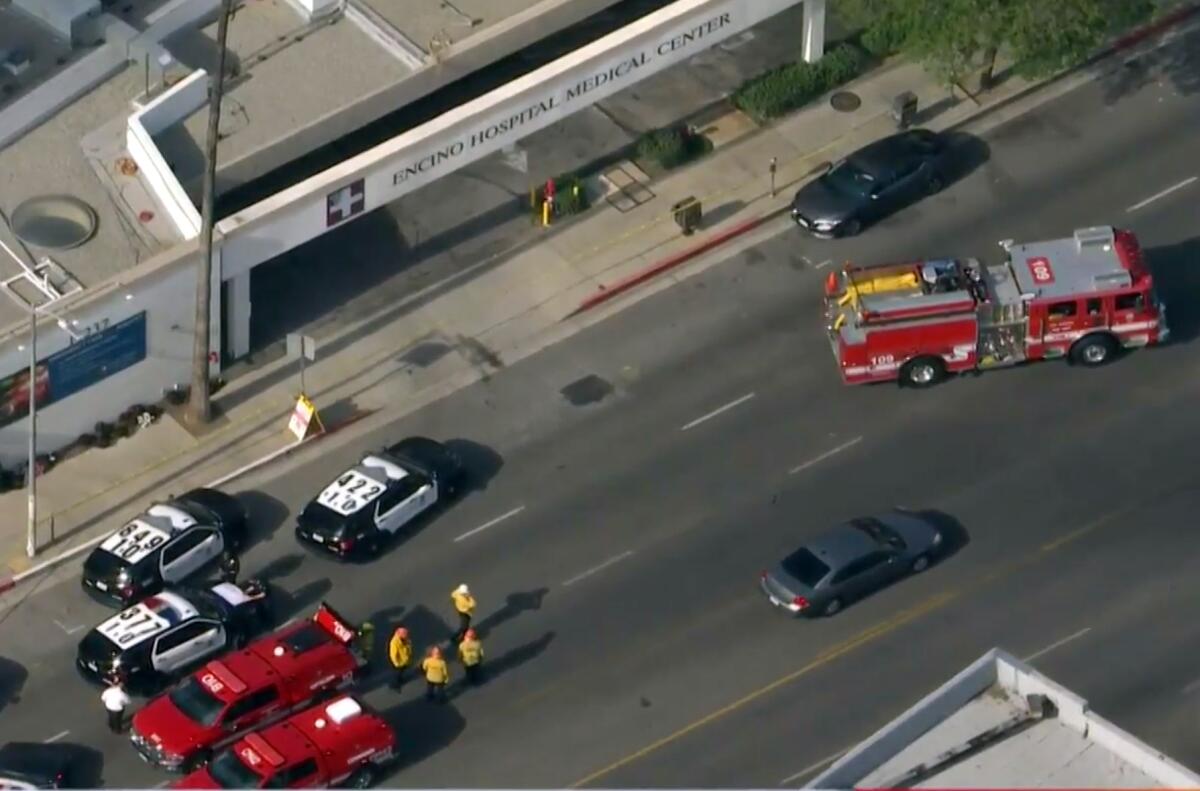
879, 533
196, 702
229, 772
806, 567
850, 179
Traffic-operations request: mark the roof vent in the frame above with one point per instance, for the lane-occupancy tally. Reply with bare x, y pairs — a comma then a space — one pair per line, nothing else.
57, 222
1099, 237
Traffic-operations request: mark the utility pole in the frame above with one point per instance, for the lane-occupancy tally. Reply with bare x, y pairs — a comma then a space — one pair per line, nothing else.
199, 410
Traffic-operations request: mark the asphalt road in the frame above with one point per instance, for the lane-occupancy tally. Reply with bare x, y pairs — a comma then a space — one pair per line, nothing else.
628, 644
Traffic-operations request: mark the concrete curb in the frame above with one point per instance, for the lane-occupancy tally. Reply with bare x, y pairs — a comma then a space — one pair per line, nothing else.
8, 583
670, 262
1127, 41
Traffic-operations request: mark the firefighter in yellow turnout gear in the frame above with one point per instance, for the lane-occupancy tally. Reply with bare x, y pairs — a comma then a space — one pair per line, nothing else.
470, 653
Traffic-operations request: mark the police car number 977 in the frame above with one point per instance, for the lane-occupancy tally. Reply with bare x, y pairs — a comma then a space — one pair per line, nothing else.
372, 501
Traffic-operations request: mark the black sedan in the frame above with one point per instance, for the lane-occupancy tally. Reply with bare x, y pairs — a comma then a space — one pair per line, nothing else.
35, 765
165, 545
852, 560
359, 512
871, 183
165, 636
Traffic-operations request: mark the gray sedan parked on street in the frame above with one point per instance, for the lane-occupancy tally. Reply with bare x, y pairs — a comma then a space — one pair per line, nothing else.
850, 561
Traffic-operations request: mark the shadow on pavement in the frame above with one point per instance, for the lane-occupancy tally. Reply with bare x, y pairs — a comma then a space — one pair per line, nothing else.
721, 213
279, 568
1177, 64
439, 725
1177, 281
498, 666
12, 680
481, 463
266, 515
514, 605
305, 597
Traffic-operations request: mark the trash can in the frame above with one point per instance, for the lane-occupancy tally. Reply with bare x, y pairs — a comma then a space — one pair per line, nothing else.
904, 109
687, 214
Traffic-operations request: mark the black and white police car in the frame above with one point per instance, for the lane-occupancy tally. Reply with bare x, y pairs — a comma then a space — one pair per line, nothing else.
167, 544
165, 635
368, 504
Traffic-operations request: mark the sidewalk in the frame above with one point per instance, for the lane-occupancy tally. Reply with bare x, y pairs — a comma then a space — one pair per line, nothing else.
438, 340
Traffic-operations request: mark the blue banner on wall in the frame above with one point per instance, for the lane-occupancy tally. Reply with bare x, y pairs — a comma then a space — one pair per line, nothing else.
75, 368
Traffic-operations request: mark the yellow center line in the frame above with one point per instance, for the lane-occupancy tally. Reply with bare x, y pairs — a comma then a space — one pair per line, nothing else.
863, 638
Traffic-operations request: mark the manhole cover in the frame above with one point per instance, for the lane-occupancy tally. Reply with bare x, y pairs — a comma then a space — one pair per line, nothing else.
58, 222
588, 390
845, 101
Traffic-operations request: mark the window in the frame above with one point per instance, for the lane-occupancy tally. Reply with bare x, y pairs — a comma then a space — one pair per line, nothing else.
183, 634
1095, 307
806, 567
404, 489
880, 533
196, 702
251, 703
1062, 310
293, 776
1131, 302
861, 566
185, 543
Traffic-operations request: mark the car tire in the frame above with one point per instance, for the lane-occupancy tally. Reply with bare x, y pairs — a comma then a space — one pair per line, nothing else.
850, 227
922, 372
1094, 350
935, 184
832, 608
363, 777
920, 563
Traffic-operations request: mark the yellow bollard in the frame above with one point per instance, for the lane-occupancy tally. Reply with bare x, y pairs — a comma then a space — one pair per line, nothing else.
546, 213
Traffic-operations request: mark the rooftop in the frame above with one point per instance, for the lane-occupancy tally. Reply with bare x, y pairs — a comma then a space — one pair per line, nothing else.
1001, 724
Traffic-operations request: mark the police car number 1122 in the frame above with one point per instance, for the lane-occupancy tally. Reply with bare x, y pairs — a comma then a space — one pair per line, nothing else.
350, 493
133, 625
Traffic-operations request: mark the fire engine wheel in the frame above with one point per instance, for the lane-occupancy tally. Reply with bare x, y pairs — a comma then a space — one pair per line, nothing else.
922, 372
1094, 350
363, 778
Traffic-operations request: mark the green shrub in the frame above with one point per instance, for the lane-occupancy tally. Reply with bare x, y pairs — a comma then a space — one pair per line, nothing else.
789, 87
570, 197
672, 146
885, 36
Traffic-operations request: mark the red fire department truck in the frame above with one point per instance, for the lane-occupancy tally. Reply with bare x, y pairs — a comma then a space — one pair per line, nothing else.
272, 677
1082, 297
334, 744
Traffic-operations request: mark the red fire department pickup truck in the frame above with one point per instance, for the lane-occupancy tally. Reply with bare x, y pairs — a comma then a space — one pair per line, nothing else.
1082, 297
272, 677
333, 744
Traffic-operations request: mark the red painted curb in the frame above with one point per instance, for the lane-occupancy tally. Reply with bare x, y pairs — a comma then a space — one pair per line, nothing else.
1141, 34
7, 584
670, 262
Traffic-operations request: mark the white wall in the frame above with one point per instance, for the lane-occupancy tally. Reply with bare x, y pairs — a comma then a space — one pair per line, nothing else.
167, 293
489, 123
170, 107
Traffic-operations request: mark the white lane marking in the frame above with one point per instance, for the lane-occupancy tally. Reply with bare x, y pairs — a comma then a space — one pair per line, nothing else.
491, 523
824, 263
597, 569
1057, 644
825, 455
72, 630
1162, 194
56, 737
814, 767
718, 410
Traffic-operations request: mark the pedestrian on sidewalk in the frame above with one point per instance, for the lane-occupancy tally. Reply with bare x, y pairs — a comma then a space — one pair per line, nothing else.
230, 566
400, 654
470, 653
464, 605
115, 700
437, 675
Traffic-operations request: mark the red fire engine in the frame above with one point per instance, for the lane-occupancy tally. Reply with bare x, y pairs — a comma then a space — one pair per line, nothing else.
334, 744
262, 683
1082, 297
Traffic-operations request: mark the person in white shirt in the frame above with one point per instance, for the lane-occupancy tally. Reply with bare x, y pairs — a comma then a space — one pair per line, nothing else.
115, 700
